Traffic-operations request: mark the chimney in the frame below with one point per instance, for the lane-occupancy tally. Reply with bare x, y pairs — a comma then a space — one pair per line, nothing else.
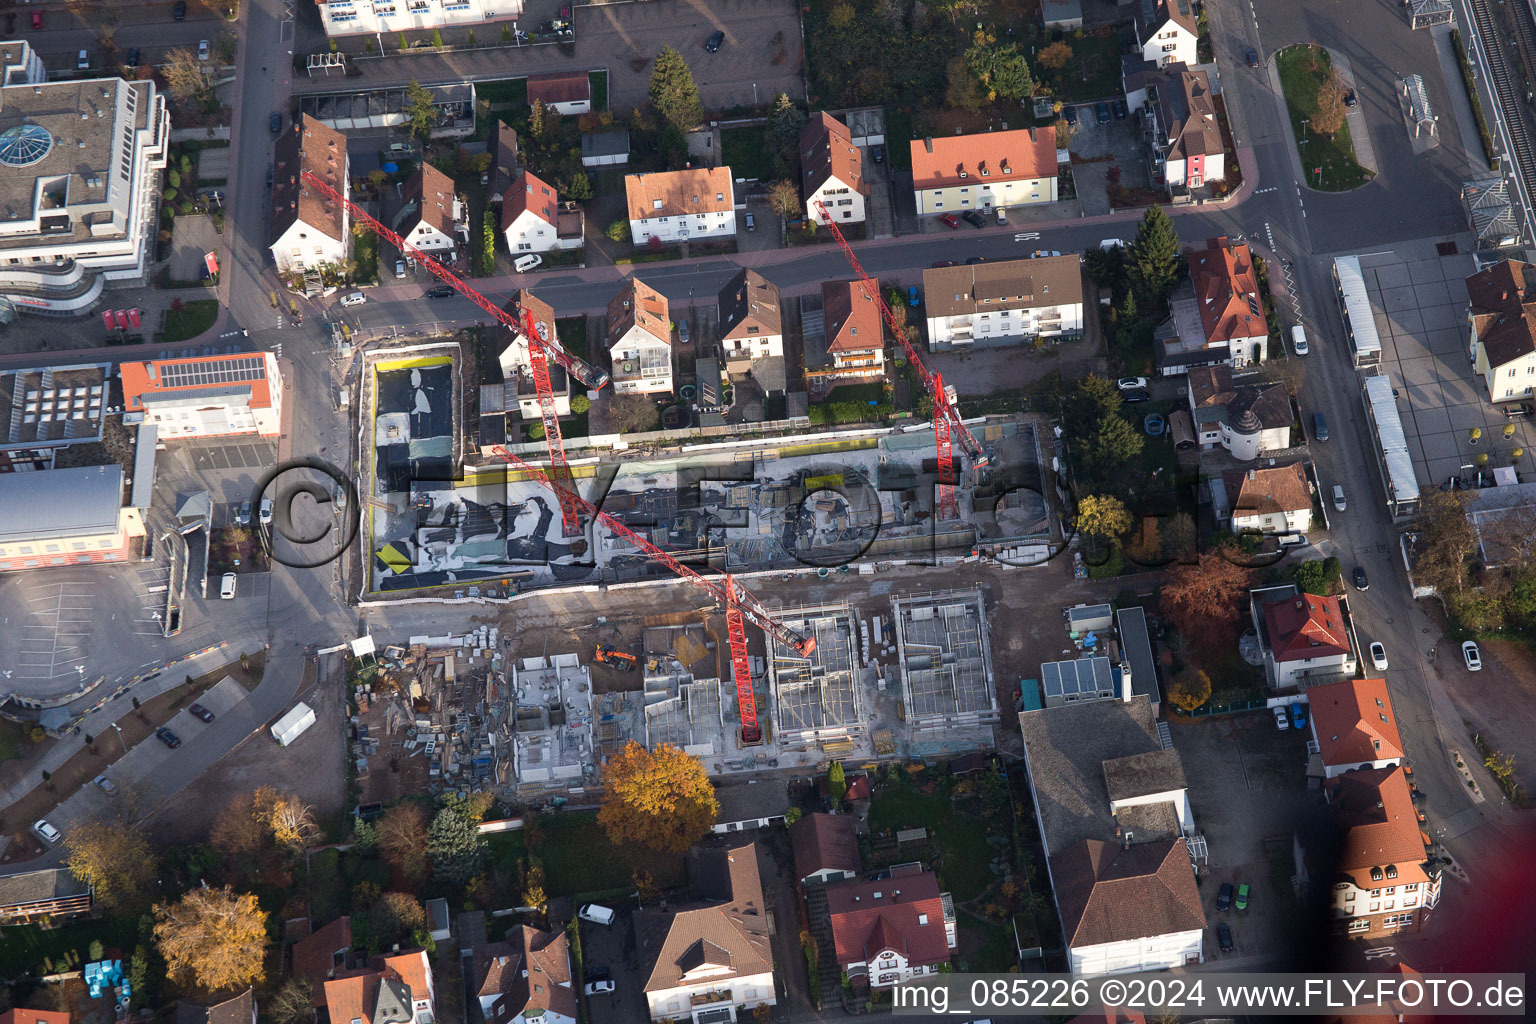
1032, 133
1251, 474
928, 145
1125, 682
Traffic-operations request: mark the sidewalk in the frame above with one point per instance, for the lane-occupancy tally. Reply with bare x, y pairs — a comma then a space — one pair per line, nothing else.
109, 708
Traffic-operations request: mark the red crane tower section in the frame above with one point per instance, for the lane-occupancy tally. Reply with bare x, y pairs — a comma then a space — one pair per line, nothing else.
947, 424
540, 348
738, 602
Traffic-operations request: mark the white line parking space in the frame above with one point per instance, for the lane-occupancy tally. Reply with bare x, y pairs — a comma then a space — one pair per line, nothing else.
51, 644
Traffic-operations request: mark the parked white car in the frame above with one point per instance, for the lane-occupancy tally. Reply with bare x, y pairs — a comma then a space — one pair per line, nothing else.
1282, 720
353, 299
599, 987
46, 832
1131, 383
1472, 656
1378, 656
202, 49
227, 587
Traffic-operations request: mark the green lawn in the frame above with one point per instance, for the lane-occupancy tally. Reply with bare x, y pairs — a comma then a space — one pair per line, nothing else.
578, 858
192, 319
963, 863
1328, 161
25, 946
599, 85
744, 150
1093, 73
572, 332
13, 739
504, 92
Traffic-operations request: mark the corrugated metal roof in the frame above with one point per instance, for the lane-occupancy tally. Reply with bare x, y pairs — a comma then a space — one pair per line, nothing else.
60, 503
144, 465
1390, 436
1357, 304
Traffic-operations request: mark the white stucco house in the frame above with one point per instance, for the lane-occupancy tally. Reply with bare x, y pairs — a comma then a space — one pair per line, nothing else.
1302, 636
1354, 726
1269, 499
309, 231
1167, 31
679, 206
639, 340
1008, 303
893, 929
832, 171
1501, 304
532, 221
1128, 908
433, 218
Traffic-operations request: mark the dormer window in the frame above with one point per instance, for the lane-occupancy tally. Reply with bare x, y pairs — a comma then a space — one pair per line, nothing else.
963, 174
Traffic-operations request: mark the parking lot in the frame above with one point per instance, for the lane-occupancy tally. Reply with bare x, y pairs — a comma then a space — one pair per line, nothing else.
613, 946
1096, 148
1247, 790
1420, 305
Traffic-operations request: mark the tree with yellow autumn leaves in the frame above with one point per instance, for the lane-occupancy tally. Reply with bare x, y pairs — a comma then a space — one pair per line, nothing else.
659, 798
213, 939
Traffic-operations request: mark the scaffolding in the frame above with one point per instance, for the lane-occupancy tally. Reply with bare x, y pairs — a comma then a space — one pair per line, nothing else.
817, 699
946, 661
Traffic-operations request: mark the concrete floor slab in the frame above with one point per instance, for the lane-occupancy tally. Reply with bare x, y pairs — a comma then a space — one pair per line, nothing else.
1406, 321
1394, 300
1432, 293
1446, 341
1393, 275
1421, 370
1424, 272
1439, 317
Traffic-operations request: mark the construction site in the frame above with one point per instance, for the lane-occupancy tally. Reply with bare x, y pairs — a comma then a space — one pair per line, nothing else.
909, 677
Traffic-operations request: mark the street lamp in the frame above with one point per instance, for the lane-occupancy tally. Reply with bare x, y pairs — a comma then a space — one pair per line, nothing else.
1304, 123
119, 730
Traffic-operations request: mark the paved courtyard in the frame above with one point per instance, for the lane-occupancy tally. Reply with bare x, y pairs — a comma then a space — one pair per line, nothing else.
1420, 308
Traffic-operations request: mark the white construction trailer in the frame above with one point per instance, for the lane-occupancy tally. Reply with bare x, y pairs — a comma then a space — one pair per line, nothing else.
290, 726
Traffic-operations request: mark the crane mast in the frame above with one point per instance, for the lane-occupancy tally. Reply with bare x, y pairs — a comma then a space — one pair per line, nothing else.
947, 424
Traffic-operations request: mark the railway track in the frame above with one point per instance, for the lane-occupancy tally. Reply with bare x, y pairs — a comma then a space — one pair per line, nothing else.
1507, 88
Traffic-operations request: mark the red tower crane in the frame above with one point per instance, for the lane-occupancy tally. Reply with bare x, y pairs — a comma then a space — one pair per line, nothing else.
947, 424
739, 603
541, 349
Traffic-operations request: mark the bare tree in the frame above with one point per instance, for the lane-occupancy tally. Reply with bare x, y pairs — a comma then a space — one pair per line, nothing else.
184, 74
1329, 116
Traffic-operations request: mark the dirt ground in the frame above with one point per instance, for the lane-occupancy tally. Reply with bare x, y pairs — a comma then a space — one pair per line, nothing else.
313, 768
1499, 701
83, 767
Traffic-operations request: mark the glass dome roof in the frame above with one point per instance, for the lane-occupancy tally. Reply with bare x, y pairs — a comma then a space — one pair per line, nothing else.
24, 144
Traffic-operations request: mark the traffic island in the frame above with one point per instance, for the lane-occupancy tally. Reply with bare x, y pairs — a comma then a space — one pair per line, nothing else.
1328, 160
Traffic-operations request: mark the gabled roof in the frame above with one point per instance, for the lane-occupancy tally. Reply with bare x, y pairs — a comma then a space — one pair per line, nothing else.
531, 193
984, 158
503, 147
902, 913
432, 192
749, 307
559, 87
1306, 626
825, 842
827, 152
1188, 114
496, 965
1375, 806
1227, 290
314, 957
1012, 284
1152, 15
1108, 893
21, 1016
679, 193
639, 305
852, 320
1503, 308
544, 980
1210, 388
1354, 722
311, 145
724, 931
1266, 490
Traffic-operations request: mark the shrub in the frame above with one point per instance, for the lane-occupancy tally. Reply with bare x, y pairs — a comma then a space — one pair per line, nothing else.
437, 38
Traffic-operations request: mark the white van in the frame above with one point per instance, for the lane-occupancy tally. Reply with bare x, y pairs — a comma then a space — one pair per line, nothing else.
1299, 340
523, 264
1338, 497
596, 914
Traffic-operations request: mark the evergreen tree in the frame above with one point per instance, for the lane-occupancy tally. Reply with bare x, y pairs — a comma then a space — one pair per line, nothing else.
673, 94
785, 122
579, 188
1154, 258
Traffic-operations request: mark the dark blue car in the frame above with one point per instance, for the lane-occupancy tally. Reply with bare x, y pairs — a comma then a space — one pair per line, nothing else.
1101, 111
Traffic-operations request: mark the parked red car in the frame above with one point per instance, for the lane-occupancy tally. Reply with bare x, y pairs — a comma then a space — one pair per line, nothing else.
949, 220
37, 19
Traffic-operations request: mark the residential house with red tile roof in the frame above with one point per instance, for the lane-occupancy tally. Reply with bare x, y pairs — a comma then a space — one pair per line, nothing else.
639, 340
565, 92
1302, 636
1246, 418
323, 955
889, 930
1166, 31
433, 218
1269, 499
1501, 307
1354, 726
205, 396
532, 220
855, 334
307, 230
1128, 907
826, 847
986, 171
20, 1016
526, 979
712, 953
1187, 151
681, 206
1383, 881
394, 989
1226, 287
831, 171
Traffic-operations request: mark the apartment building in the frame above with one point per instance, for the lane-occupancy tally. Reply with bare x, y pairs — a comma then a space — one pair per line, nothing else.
1354, 726
205, 396
832, 171
1303, 637
1218, 316
679, 206
309, 231
1385, 881
993, 304
1180, 125
389, 17
639, 340
991, 170
80, 165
